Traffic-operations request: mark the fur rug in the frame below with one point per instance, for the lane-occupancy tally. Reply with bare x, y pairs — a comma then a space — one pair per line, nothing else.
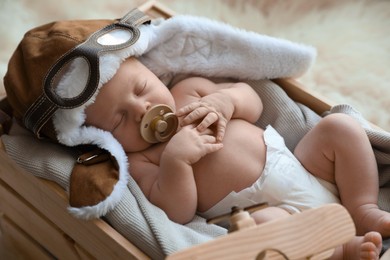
351, 37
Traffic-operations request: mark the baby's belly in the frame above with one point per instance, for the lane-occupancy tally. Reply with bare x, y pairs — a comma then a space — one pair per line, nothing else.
235, 167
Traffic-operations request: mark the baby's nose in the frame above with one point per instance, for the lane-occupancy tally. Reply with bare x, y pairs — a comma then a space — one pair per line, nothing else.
140, 109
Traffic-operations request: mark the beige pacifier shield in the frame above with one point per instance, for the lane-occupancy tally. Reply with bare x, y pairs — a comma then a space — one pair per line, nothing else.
159, 124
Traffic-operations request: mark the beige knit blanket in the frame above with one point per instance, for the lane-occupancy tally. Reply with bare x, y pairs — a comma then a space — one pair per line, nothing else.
147, 226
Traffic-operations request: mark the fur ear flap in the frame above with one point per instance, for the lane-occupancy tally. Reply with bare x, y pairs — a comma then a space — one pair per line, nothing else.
95, 191
93, 179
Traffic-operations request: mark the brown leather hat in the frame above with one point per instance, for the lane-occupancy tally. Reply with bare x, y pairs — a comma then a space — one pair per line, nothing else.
37, 81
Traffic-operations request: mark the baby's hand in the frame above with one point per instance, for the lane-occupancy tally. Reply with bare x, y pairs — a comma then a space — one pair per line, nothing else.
190, 144
214, 108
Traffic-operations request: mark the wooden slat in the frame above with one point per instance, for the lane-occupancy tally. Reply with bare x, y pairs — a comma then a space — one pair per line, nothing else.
20, 243
37, 226
84, 254
330, 226
156, 10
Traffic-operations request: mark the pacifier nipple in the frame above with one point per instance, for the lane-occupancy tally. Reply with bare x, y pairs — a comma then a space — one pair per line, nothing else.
159, 124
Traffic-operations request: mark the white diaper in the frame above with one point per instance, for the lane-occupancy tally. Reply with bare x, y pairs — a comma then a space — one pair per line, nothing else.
284, 183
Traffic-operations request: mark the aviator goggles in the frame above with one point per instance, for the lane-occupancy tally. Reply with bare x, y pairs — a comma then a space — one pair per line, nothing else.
88, 53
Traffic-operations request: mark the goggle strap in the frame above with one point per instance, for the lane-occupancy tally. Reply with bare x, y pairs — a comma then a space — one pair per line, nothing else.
39, 114
135, 18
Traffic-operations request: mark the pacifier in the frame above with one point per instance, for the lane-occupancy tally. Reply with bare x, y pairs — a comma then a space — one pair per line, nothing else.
159, 124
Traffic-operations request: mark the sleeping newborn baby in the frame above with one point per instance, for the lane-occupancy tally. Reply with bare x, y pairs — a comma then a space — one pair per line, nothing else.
218, 158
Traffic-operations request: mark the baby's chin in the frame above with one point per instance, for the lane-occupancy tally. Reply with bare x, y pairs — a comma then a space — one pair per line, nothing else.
139, 146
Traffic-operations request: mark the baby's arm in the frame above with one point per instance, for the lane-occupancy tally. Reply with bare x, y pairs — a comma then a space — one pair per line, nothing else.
201, 99
171, 185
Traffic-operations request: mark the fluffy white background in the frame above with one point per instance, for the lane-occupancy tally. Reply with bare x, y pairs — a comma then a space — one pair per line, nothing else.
352, 37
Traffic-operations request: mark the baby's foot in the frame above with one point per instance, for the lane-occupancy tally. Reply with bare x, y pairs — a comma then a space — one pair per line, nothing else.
370, 218
367, 247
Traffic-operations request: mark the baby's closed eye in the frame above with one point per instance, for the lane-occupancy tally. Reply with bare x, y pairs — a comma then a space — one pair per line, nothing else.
141, 88
118, 121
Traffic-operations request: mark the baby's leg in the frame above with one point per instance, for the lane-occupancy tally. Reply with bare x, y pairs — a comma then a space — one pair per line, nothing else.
337, 150
366, 247
269, 213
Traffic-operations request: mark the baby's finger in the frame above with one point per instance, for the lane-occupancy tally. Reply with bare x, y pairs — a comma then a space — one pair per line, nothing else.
221, 130
213, 147
187, 109
195, 115
206, 131
207, 121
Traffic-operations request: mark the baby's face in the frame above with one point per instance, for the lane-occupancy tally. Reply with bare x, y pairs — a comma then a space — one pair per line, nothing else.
123, 101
